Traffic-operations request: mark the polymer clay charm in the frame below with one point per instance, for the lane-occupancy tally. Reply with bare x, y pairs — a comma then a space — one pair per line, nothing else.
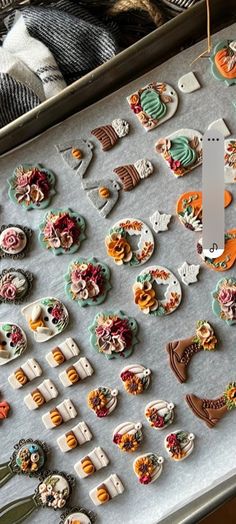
109, 134
189, 273
63, 352
211, 411
227, 259
15, 285
114, 334
32, 186
54, 492
102, 401
14, 241
87, 281
153, 104
230, 161
61, 413
94, 461
220, 126
128, 436
77, 515
179, 444
119, 248
136, 379
182, 151
62, 231
145, 295
103, 194
160, 221
188, 83
148, 467
132, 174
29, 458
181, 351
4, 412
223, 62
76, 372
224, 300
13, 342
159, 414
107, 490
77, 436
46, 317
189, 209
28, 371
77, 154
44, 392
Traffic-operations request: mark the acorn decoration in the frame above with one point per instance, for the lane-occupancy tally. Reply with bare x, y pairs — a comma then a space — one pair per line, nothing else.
132, 174
109, 134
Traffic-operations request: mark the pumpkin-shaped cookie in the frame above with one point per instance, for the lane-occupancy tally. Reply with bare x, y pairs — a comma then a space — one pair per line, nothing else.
136, 379
179, 444
102, 401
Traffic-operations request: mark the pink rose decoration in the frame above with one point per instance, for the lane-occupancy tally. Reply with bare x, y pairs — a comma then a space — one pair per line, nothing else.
11, 240
8, 291
227, 297
16, 337
57, 312
146, 479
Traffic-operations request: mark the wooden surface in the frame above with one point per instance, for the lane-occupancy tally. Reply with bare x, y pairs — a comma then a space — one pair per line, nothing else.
225, 514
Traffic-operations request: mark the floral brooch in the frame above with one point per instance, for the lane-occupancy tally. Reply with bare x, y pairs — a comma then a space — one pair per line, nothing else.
136, 379
46, 317
14, 241
148, 467
145, 295
29, 458
159, 414
114, 334
119, 248
32, 186
224, 300
179, 444
15, 285
128, 436
212, 410
87, 281
62, 231
102, 401
182, 151
13, 342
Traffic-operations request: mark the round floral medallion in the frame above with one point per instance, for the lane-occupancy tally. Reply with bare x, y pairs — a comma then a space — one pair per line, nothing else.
119, 247
54, 491
62, 231
15, 285
128, 436
114, 334
179, 444
87, 281
136, 379
102, 401
159, 414
13, 241
30, 457
31, 186
146, 297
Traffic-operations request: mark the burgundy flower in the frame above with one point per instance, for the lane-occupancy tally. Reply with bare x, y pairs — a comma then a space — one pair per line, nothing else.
159, 422
172, 440
102, 412
16, 337
40, 179
57, 312
126, 375
146, 479
199, 248
117, 438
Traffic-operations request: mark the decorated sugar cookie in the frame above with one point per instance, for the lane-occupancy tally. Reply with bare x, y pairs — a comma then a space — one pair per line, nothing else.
145, 295
128, 436
14, 241
181, 150
44, 393
77, 154
223, 60
102, 401
159, 414
77, 436
46, 317
132, 174
181, 351
224, 300
136, 379
77, 515
62, 231
119, 248
29, 459
94, 461
160, 221
230, 161
109, 134
107, 490
103, 194
153, 104
62, 413
28, 372
13, 342
212, 410
63, 352
148, 467
87, 281
189, 209
77, 372
32, 186
114, 334
179, 444
15, 285
189, 273
227, 259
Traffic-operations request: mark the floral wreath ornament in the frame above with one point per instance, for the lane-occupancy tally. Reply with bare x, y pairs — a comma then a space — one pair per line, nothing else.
224, 300
145, 295
32, 186
87, 281
62, 231
114, 334
119, 248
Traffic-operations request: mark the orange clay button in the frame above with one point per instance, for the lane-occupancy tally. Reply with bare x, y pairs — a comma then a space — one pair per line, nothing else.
104, 192
189, 209
76, 153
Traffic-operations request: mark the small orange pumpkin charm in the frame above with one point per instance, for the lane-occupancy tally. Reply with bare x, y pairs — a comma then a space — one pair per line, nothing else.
58, 356
72, 375
21, 376
56, 417
38, 397
88, 466
223, 63
71, 440
76, 153
103, 495
104, 192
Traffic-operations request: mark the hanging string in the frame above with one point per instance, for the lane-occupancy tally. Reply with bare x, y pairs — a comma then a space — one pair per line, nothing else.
209, 45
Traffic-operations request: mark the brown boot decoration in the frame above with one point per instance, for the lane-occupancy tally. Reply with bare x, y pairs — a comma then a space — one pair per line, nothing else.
211, 411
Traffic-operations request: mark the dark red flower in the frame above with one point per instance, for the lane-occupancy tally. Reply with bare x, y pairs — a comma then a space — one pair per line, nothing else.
57, 312
126, 375
102, 412
16, 337
146, 479
159, 422
172, 440
40, 178
117, 438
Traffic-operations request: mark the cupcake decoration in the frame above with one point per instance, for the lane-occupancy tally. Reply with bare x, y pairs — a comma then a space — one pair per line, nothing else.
145, 296
87, 281
46, 317
15, 285
136, 379
119, 248
32, 186
223, 62
29, 459
114, 334
14, 241
109, 134
159, 414
128, 436
179, 444
102, 401
224, 300
148, 467
62, 231
182, 151
13, 342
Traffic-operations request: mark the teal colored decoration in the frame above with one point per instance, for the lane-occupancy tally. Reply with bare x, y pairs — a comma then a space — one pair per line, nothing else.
214, 69
152, 104
114, 334
62, 231
87, 281
28, 459
224, 300
181, 151
32, 186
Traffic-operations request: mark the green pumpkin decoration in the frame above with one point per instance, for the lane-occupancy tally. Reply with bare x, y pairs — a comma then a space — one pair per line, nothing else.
181, 151
152, 104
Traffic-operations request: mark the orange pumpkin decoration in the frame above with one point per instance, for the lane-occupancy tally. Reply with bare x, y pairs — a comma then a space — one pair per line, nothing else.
76, 153
21, 376
56, 417
222, 59
72, 375
71, 440
104, 192
88, 466
102, 494
38, 397
58, 356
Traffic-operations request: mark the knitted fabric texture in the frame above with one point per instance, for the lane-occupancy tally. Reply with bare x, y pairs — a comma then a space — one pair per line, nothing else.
15, 99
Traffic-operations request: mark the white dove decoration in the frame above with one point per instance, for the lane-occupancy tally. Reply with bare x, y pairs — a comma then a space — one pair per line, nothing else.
188, 273
160, 221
